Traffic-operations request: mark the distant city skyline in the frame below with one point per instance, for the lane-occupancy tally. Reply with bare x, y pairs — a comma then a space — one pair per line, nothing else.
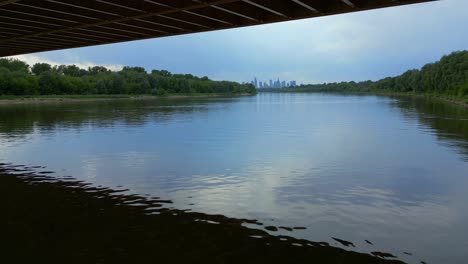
272, 84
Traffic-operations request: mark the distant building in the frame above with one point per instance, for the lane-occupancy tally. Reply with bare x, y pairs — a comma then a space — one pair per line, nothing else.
272, 84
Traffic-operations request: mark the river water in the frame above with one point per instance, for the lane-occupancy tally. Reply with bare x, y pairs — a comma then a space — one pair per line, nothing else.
392, 171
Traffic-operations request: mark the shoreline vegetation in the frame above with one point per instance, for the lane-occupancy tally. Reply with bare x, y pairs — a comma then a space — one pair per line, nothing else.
60, 220
446, 80
8, 100
18, 79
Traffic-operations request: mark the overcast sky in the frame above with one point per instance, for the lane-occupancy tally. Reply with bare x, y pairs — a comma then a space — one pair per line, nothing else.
357, 46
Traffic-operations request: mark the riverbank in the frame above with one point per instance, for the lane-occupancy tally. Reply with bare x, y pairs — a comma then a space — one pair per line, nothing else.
52, 220
6, 100
454, 100
459, 101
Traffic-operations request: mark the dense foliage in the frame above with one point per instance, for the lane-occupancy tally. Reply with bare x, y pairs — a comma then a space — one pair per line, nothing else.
449, 76
18, 78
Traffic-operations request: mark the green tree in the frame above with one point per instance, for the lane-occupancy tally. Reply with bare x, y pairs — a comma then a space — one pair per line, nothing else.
14, 65
39, 68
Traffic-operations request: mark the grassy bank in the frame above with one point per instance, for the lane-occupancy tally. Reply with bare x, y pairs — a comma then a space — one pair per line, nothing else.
49, 220
9, 99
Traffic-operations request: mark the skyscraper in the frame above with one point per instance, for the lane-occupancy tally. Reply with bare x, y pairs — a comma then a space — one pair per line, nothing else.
272, 83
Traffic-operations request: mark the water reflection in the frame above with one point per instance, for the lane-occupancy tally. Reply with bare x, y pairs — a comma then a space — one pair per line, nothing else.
64, 220
448, 122
25, 119
387, 170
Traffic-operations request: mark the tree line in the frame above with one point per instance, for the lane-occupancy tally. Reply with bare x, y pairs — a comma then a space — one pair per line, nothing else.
20, 79
448, 76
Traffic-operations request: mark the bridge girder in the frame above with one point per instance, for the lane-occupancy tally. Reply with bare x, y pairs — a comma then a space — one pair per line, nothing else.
28, 26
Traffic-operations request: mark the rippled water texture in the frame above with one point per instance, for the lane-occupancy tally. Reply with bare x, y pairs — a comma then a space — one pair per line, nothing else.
393, 171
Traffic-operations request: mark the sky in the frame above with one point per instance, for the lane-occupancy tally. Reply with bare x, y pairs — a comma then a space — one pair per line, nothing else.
367, 45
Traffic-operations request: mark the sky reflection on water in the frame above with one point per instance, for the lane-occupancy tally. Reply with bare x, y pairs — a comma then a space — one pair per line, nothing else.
389, 170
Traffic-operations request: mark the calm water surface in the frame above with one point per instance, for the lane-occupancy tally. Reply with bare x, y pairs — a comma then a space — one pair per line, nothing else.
393, 171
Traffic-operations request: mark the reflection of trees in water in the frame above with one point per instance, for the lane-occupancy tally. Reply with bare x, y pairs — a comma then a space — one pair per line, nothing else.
22, 120
448, 122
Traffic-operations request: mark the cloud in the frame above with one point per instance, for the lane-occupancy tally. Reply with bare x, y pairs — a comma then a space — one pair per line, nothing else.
32, 59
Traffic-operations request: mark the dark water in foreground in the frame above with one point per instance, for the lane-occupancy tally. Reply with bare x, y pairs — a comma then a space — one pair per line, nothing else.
61, 220
390, 171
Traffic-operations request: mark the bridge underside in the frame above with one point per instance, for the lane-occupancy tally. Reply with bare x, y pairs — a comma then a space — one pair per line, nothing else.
28, 26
